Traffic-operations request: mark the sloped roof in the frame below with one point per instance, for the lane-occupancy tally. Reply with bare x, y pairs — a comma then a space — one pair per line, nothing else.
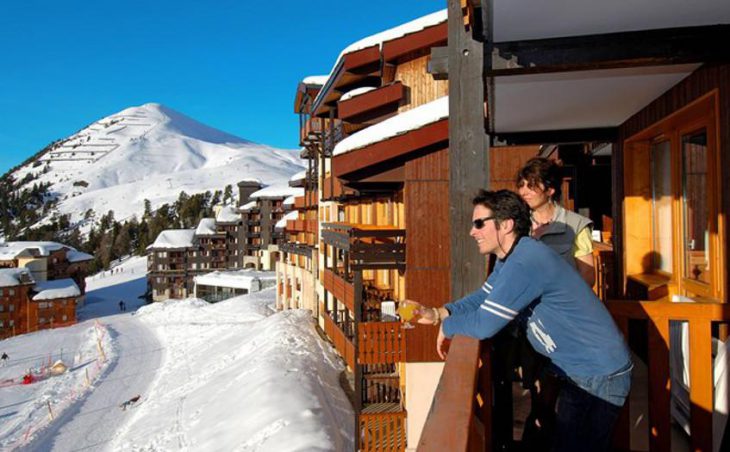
173, 239
228, 214
10, 277
206, 227
57, 288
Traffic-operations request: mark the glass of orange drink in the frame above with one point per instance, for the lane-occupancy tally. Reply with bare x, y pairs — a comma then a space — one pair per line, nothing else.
406, 312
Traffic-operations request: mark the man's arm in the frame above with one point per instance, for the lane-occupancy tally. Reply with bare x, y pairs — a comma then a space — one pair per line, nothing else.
515, 289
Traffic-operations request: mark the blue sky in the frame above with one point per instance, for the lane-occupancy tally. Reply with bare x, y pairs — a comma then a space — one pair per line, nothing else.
233, 65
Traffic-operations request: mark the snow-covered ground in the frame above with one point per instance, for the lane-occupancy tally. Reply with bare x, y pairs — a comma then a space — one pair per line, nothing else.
229, 376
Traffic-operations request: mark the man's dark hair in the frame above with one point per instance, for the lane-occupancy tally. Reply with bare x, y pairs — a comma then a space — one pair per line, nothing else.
543, 171
506, 205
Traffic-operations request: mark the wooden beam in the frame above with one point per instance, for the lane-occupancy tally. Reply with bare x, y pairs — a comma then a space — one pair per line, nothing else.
567, 136
438, 65
468, 148
683, 45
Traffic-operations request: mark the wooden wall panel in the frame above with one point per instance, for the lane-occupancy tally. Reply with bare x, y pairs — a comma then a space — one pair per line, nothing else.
505, 161
699, 83
427, 277
422, 88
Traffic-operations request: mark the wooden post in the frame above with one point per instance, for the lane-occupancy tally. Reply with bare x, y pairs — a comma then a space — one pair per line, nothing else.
358, 368
468, 170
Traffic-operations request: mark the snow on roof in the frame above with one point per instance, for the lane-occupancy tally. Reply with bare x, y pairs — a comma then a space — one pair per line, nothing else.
397, 125
315, 80
379, 39
250, 180
77, 256
356, 92
228, 214
298, 176
237, 279
57, 288
248, 206
281, 224
277, 191
10, 277
12, 249
289, 201
173, 239
206, 227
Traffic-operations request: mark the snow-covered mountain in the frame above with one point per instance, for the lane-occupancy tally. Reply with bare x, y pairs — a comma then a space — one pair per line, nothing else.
149, 152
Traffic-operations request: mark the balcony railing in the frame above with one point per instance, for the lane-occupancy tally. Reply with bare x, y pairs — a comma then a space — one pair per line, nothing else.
340, 288
460, 417
296, 248
368, 247
381, 342
299, 202
295, 225
344, 346
310, 131
383, 428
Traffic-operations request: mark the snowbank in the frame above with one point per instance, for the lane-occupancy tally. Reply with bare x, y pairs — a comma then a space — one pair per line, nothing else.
236, 377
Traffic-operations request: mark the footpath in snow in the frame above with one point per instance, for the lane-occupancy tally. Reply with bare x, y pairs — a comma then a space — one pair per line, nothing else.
229, 376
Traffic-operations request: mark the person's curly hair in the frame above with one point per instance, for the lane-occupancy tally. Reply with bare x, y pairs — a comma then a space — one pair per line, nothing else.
506, 205
539, 170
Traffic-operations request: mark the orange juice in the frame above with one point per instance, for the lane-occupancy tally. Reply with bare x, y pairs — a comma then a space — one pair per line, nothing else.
406, 311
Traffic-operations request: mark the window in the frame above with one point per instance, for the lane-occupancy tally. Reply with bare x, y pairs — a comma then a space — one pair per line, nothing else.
11, 308
671, 179
64, 318
11, 292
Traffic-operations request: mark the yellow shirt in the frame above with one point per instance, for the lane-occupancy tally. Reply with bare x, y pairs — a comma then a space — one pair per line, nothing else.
583, 244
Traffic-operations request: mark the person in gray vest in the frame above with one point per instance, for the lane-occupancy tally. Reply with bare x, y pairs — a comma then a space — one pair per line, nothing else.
567, 233
539, 183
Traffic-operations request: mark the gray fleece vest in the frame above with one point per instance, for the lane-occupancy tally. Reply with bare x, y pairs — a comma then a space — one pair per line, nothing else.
560, 234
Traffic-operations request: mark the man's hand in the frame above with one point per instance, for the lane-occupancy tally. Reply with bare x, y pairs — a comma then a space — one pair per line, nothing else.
442, 344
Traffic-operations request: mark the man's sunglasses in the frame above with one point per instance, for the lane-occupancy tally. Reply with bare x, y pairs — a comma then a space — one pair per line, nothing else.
480, 222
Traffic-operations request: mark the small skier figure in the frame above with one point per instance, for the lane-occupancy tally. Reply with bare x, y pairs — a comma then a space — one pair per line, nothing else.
130, 402
4, 358
122, 306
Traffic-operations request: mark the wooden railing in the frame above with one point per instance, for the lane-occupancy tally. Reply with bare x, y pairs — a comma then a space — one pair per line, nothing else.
299, 202
368, 246
700, 317
339, 288
381, 342
460, 417
383, 431
343, 345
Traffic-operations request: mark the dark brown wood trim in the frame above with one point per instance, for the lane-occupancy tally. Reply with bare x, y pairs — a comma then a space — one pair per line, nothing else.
388, 149
371, 100
429, 37
699, 44
568, 136
355, 60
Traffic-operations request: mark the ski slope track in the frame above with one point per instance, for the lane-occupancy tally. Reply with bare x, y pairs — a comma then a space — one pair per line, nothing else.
149, 152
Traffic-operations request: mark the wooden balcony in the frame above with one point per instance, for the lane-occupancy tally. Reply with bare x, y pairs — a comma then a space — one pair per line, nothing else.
296, 248
460, 417
344, 346
340, 288
311, 226
299, 202
368, 247
381, 342
295, 225
383, 428
310, 131
373, 105
333, 188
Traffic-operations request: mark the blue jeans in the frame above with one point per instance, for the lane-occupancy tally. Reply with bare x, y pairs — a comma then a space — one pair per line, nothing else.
587, 411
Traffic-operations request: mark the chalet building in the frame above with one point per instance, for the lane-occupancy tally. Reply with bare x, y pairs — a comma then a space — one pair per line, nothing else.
47, 261
221, 285
238, 237
261, 213
27, 305
296, 269
373, 179
649, 91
